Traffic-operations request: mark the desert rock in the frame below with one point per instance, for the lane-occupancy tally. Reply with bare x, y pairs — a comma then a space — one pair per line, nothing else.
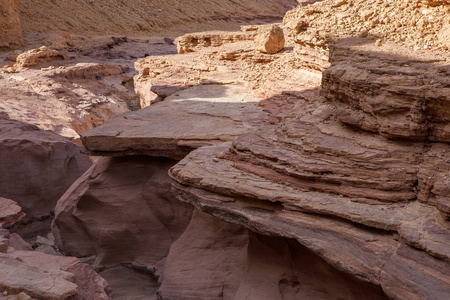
11, 33
121, 210
269, 39
49, 164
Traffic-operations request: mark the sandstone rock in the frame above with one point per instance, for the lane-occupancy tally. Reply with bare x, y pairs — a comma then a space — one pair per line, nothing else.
205, 115
17, 243
23, 296
10, 213
34, 57
16, 276
67, 96
45, 276
191, 42
121, 210
52, 164
11, 33
257, 267
413, 23
370, 85
269, 39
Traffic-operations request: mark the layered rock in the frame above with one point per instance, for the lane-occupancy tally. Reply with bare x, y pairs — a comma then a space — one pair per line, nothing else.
256, 267
390, 90
191, 42
11, 33
227, 111
36, 169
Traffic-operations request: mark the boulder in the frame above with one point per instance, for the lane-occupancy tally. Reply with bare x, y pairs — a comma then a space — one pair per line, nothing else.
36, 167
269, 39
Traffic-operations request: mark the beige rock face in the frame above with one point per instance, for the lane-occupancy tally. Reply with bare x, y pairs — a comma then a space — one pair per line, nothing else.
414, 23
34, 57
191, 42
11, 33
121, 210
36, 168
269, 39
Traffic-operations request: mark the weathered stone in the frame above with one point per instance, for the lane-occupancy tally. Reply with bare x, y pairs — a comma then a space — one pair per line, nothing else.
121, 210
205, 115
11, 33
10, 213
269, 39
36, 169
191, 42
34, 57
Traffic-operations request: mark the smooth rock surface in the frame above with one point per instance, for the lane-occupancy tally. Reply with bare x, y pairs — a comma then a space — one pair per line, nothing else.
36, 167
121, 210
256, 267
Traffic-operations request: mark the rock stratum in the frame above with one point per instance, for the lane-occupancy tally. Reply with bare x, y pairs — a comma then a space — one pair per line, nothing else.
319, 171
332, 155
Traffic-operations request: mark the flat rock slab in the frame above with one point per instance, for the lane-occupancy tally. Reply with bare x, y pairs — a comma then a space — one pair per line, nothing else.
16, 276
198, 116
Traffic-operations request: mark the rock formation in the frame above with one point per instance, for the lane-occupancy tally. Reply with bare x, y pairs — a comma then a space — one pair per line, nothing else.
269, 39
353, 169
137, 17
11, 33
37, 168
25, 273
140, 218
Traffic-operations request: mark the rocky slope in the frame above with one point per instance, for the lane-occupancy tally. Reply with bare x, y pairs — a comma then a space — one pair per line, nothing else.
11, 33
138, 17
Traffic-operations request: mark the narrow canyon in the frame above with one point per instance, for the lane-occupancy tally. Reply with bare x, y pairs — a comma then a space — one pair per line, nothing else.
225, 150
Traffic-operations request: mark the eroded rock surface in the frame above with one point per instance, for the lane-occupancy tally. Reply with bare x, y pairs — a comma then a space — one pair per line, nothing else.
121, 210
11, 33
257, 267
269, 39
36, 169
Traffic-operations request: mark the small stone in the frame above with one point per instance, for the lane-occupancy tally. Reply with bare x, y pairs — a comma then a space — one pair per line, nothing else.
5, 293
23, 296
47, 250
43, 241
379, 43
